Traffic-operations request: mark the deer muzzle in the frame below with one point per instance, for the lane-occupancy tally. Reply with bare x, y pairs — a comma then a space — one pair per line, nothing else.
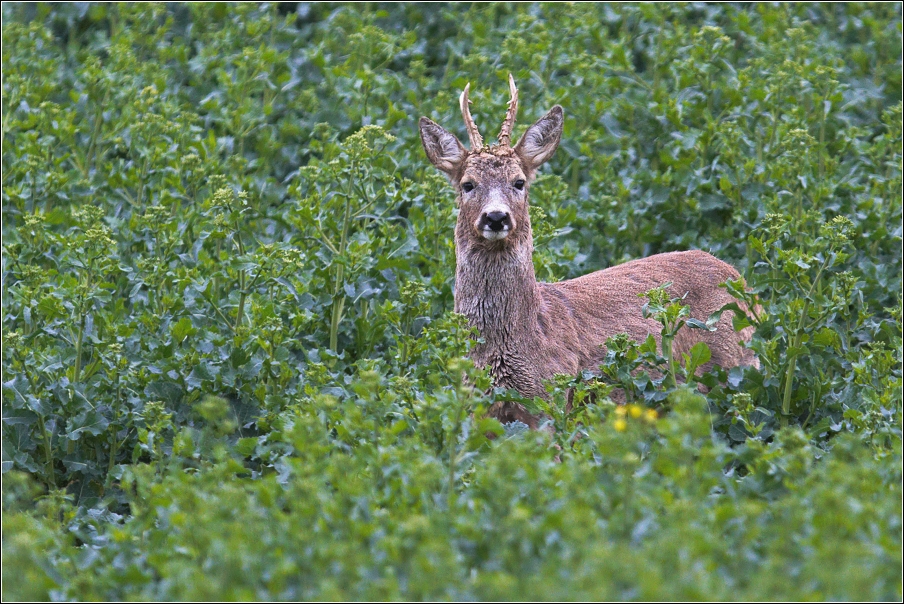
495, 225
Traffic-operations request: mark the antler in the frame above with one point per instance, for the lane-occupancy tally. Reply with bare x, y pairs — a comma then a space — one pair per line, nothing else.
473, 134
505, 135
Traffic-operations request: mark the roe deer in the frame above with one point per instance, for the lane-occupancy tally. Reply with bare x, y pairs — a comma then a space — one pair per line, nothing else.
533, 330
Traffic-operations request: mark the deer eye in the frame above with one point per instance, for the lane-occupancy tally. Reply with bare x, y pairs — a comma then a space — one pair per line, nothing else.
519, 184
467, 186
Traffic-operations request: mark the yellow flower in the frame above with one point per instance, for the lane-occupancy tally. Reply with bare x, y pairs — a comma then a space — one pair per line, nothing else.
620, 425
651, 415
635, 410
620, 411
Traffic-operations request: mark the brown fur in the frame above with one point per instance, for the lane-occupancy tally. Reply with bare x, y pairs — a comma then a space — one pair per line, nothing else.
532, 330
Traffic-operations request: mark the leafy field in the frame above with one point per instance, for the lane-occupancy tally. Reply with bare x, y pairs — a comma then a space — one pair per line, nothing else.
231, 369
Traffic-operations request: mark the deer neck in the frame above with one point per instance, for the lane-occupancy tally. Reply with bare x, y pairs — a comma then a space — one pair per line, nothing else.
496, 288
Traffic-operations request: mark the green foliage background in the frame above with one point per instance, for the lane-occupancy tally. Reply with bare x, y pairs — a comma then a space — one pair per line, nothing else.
230, 370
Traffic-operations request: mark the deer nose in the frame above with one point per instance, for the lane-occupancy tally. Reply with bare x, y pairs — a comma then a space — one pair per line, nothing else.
497, 220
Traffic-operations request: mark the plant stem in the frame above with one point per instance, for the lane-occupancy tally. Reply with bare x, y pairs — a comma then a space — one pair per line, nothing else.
144, 171
335, 318
98, 121
48, 455
242, 292
216, 309
76, 373
792, 365
338, 297
798, 337
667, 353
239, 315
822, 143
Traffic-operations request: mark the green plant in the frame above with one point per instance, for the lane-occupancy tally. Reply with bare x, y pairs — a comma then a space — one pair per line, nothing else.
230, 369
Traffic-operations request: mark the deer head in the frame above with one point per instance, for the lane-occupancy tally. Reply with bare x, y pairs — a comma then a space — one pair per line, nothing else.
493, 181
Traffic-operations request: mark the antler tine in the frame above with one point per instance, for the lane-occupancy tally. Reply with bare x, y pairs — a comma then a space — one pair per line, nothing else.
473, 134
505, 135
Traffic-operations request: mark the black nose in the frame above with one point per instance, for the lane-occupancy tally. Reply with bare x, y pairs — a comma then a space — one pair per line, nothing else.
497, 220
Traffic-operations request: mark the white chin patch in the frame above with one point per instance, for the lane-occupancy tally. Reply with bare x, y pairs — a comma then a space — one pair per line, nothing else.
495, 235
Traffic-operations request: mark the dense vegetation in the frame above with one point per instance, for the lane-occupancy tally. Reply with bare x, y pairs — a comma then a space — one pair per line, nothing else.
230, 366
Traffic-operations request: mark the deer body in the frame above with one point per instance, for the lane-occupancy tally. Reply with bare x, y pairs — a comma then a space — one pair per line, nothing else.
532, 330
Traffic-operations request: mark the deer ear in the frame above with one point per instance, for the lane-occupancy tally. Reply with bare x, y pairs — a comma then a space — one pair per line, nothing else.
541, 140
442, 147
